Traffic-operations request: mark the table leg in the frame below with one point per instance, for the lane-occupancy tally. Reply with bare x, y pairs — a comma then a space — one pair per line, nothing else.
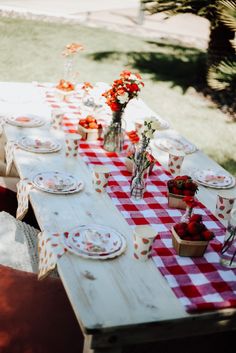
88, 349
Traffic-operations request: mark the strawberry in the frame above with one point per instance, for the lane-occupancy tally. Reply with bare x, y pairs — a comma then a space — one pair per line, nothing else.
90, 119
185, 177
194, 228
176, 191
196, 237
196, 218
187, 193
181, 229
207, 235
93, 125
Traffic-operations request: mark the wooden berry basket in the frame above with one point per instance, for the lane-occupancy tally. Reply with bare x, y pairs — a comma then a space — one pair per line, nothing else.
188, 248
89, 134
176, 201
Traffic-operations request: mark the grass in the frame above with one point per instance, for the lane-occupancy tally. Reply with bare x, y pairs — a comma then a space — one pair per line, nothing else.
31, 51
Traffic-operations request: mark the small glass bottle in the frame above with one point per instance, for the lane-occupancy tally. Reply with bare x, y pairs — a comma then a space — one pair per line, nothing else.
187, 215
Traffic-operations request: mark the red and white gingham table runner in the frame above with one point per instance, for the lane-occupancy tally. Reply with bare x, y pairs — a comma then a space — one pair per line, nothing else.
199, 283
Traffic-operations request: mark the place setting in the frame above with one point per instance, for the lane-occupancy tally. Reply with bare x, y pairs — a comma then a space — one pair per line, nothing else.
25, 120
169, 143
55, 182
216, 179
94, 241
38, 144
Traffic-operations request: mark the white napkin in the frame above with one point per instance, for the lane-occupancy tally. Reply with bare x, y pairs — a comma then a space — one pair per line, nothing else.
9, 155
50, 249
23, 189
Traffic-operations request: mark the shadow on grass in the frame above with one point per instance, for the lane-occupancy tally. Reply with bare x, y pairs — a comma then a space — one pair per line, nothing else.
230, 165
177, 64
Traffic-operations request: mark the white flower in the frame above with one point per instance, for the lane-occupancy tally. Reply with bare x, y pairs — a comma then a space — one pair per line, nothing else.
148, 133
123, 98
154, 123
133, 77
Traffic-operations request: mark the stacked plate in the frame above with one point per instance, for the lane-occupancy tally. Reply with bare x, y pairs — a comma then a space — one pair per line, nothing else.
26, 120
94, 241
57, 183
214, 179
39, 144
169, 144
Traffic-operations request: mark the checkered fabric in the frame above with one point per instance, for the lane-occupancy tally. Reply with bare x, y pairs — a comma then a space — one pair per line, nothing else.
199, 283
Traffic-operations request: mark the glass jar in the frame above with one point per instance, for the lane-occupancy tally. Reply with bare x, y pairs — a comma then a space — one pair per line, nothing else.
69, 74
140, 173
228, 251
138, 183
114, 134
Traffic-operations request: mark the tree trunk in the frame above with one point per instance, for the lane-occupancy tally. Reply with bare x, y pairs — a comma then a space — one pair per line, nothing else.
219, 46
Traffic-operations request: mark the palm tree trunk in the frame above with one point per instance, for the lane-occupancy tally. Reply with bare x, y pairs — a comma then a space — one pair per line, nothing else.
219, 46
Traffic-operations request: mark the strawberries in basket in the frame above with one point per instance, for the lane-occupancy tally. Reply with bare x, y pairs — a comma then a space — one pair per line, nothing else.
194, 230
182, 185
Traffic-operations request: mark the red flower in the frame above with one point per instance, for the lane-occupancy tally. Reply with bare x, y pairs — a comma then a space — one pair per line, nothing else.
133, 136
133, 87
115, 106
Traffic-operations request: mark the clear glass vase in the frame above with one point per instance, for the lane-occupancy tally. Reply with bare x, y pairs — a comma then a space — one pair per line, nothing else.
138, 183
114, 134
140, 173
69, 74
187, 215
228, 251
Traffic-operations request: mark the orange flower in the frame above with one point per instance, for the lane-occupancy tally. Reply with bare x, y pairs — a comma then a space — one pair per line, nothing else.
87, 85
65, 86
72, 49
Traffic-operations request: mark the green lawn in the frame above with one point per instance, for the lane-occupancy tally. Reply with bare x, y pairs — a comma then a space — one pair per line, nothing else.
31, 51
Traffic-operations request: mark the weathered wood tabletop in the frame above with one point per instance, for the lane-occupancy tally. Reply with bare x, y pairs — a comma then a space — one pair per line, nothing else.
118, 301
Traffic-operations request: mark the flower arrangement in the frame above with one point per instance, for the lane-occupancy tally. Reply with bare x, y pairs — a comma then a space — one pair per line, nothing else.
142, 158
123, 90
190, 237
69, 56
72, 49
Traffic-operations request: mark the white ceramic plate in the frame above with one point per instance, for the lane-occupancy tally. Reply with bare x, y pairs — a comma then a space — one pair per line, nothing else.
39, 144
94, 241
57, 183
214, 179
169, 144
25, 120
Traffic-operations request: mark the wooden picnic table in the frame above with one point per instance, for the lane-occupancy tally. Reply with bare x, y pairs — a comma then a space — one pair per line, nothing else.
119, 301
